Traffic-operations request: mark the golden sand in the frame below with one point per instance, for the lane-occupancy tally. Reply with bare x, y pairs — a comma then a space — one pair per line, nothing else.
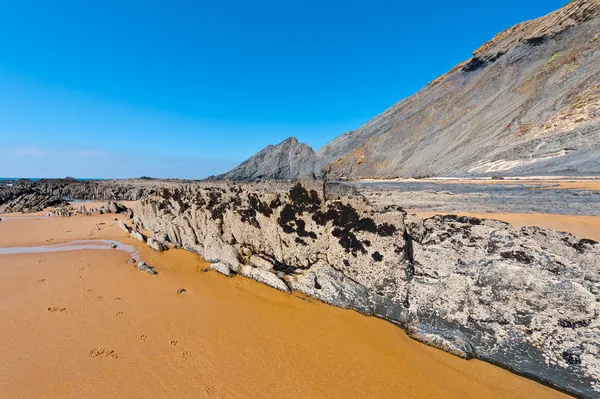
85, 324
581, 226
540, 182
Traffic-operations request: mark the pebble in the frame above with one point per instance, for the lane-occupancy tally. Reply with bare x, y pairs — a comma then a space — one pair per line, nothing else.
181, 290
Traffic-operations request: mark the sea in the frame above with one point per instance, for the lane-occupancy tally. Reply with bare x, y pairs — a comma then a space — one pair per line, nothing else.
40, 178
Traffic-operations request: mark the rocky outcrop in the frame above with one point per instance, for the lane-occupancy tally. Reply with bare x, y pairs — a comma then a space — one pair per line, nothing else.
28, 201
65, 211
286, 160
34, 196
113, 207
527, 300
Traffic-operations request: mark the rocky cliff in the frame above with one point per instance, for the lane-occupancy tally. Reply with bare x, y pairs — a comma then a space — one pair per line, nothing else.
527, 300
286, 160
526, 103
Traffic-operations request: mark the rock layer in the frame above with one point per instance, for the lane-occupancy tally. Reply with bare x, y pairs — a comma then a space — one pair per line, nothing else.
526, 300
526, 103
286, 160
35, 196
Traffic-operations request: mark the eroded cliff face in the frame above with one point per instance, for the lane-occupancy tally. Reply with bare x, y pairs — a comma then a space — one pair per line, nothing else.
526, 300
526, 103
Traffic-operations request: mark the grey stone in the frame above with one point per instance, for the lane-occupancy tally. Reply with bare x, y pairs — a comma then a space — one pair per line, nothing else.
138, 235
260, 263
124, 227
156, 245
221, 268
264, 277
286, 160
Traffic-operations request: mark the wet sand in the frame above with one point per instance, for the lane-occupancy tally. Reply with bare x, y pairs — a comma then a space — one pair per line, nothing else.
591, 183
85, 324
580, 226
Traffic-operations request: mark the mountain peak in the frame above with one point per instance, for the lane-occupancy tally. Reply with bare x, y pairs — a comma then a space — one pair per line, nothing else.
289, 159
526, 103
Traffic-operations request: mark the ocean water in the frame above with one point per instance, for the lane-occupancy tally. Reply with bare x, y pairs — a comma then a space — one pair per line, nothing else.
40, 178
73, 246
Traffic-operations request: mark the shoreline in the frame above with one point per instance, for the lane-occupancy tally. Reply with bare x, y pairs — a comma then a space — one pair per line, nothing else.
550, 182
335, 336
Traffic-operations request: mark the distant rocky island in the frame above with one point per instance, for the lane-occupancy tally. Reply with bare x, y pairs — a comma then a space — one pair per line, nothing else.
526, 103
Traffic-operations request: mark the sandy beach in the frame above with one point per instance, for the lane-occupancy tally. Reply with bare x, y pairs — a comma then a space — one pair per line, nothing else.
590, 183
86, 324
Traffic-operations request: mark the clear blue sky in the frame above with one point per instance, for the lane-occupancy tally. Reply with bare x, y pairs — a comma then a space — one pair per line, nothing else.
121, 88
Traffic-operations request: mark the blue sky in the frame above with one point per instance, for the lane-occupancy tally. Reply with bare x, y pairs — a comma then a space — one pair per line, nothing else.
191, 88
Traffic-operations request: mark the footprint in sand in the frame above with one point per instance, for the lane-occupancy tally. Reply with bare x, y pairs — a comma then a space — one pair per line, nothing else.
89, 290
53, 309
81, 269
43, 280
119, 313
117, 298
100, 352
143, 337
99, 297
186, 354
209, 389
173, 343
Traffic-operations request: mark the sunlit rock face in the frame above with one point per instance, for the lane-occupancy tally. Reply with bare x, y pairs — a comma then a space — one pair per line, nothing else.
526, 103
289, 159
525, 299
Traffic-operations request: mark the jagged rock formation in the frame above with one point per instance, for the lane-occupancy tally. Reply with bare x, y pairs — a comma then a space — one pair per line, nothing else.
35, 196
286, 160
527, 299
28, 201
526, 103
